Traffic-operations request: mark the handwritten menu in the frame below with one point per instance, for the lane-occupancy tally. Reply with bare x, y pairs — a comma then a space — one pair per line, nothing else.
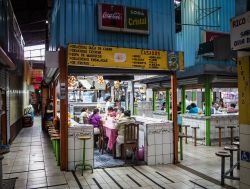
113, 57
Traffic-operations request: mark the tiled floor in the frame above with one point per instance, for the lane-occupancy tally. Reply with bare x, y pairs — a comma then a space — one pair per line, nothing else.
32, 162
203, 159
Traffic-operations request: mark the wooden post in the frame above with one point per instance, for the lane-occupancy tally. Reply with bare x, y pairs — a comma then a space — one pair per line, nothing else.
168, 103
63, 76
174, 115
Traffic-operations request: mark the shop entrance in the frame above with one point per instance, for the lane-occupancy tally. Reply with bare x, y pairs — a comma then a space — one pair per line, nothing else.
3, 117
83, 70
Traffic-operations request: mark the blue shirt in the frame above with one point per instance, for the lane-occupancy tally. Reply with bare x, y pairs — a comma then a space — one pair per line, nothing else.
194, 110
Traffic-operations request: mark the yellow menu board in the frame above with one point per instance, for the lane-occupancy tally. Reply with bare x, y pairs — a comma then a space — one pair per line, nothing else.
113, 57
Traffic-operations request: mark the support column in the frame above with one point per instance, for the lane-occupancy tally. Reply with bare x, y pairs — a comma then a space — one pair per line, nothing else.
174, 115
244, 116
167, 104
63, 70
183, 110
154, 101
208, 104
193, 96
183, 100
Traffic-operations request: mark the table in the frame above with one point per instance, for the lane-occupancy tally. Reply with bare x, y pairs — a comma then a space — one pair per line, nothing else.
111, 133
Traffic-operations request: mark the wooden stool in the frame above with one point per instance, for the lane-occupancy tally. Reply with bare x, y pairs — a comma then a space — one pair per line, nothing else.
83, 164
195, 138
232, 127
186, 136
237, 143
223, 155
219, 127
231, 149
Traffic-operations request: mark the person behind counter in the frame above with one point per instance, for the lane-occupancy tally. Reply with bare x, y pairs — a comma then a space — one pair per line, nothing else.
194, 109
121, 128
108, 103
95, 119
84, 116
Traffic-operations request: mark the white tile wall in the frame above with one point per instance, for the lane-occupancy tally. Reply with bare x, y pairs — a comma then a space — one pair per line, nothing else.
75, 146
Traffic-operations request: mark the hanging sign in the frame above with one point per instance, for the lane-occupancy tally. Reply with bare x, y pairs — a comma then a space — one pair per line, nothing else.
240, 32
124, 58
136, 20
123, 19
111, 17
113, 57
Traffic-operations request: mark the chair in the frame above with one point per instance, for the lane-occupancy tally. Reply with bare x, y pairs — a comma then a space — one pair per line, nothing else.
102, 139
219, 127
131, 138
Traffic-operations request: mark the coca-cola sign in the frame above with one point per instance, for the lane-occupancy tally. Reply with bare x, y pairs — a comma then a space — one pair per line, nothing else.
111, 17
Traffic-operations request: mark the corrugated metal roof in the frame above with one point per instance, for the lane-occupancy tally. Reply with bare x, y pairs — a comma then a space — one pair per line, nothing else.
75, 21
204, 14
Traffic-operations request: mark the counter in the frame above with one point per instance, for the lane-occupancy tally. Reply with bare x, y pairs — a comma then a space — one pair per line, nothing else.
223, 120
75, 146
157, 137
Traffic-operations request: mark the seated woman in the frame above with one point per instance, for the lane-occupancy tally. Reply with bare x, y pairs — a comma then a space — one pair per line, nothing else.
194, 109
84, 116
111, 112
121, 127
232, 109
95, 119
120, 113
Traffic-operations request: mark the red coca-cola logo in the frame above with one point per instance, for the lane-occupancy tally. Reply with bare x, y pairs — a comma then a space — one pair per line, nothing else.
112, 16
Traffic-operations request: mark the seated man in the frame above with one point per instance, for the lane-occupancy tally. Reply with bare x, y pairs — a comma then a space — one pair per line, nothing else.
126, 119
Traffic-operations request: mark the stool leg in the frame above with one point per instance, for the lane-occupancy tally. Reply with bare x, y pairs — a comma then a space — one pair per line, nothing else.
222, 170
231, 163
219, 137
232, 135
194, 136
186, 135
83, 157
238, 159
56, 151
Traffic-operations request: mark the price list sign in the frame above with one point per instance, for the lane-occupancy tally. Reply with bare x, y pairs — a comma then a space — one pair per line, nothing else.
113, 57
244, 89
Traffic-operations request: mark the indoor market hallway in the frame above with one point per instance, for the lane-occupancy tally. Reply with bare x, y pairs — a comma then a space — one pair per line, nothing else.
32, 162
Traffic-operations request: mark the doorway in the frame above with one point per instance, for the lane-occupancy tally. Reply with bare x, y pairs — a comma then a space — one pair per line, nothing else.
3, 116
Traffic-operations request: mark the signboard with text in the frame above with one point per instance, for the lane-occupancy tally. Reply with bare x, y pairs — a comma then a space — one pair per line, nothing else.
211, 35
136, 20
124, 58
111, 17
240, 32
123, 19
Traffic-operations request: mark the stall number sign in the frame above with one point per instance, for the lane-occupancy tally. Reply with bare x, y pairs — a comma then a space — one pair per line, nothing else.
123, 19
113, 57
240, 32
